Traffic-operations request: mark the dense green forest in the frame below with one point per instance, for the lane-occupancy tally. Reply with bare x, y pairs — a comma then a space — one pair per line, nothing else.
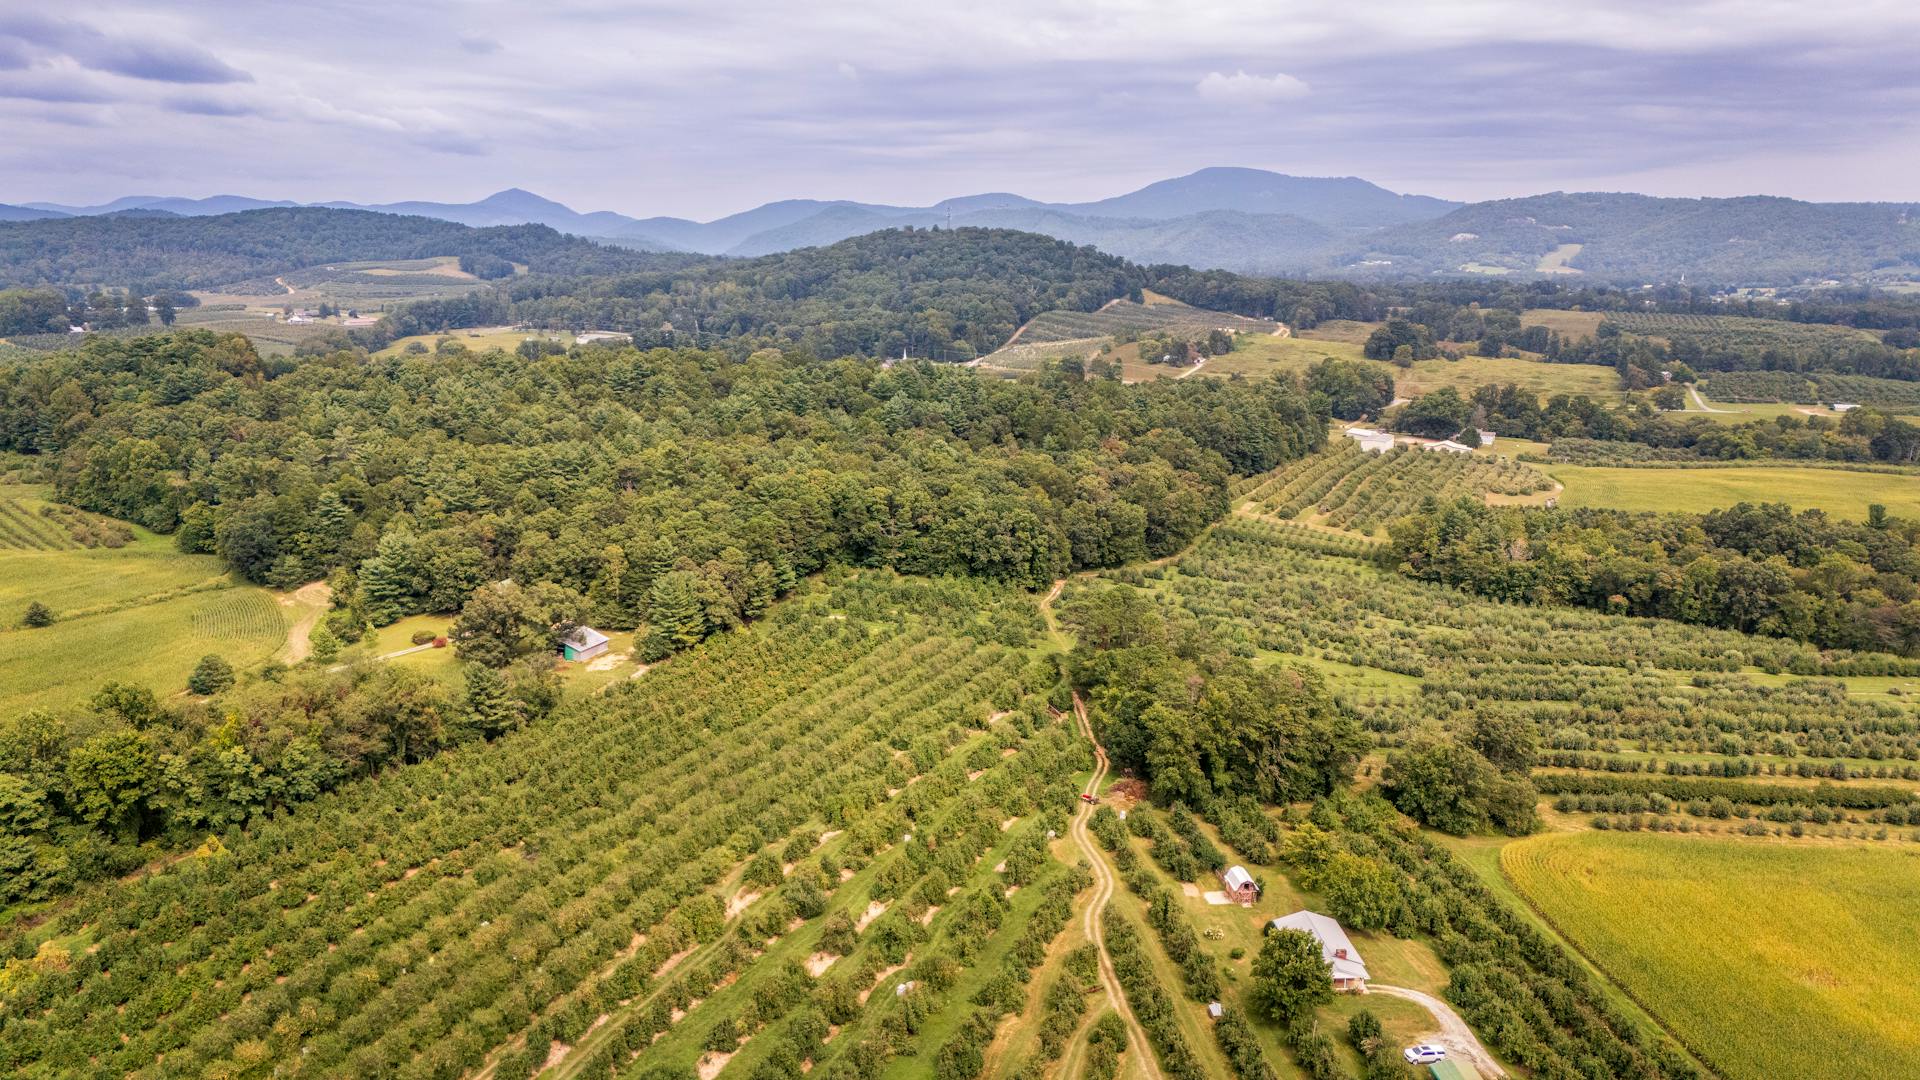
633, 478
944, 295
1756, 569
201, 252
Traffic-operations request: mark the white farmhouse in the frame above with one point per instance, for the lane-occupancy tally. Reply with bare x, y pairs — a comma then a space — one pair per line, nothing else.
1371, 441
1349, 971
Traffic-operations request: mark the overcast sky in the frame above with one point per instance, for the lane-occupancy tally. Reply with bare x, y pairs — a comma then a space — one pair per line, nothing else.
704, 108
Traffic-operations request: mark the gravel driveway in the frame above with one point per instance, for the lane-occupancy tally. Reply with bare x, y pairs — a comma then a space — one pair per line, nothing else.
1454, 1033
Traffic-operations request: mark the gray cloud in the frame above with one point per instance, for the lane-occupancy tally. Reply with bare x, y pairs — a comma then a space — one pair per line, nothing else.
209, 106
706, 108
153, 59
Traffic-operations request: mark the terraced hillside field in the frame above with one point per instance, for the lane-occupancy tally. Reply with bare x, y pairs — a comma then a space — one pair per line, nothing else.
1770, 960
1813, 388
1123, 315
357, 284
1737, 331
815, 841
1344, 487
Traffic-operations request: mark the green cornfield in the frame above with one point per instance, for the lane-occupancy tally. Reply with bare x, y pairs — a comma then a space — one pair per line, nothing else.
1765, 959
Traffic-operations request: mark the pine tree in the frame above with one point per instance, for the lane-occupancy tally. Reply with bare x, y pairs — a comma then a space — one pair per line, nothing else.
487, 706
675, 610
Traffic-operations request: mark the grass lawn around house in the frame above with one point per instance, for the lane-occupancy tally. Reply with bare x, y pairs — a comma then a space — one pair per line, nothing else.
1391, 961
579, 677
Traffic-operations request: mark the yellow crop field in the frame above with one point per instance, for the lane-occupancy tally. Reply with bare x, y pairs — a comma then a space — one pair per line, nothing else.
1464, 375
1766, 959
1839, 492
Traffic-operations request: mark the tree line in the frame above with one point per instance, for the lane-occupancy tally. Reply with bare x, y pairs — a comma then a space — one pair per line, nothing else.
1757, 569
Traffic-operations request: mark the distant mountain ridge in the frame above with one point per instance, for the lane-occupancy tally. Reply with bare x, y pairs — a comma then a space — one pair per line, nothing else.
1126, 222
1255, 221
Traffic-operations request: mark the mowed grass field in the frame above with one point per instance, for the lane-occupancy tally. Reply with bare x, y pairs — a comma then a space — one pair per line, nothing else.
1767, 959
619, 662
479, 339
143, 613
1570, 324
1837, 491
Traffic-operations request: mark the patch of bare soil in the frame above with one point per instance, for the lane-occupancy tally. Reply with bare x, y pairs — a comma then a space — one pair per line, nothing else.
311, 602
673, 961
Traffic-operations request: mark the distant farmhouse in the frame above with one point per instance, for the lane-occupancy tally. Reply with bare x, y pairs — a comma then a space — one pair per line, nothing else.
1371, 441
584, 643
1349, 971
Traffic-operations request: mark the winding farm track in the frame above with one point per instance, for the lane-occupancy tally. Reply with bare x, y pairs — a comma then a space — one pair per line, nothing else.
1103, 887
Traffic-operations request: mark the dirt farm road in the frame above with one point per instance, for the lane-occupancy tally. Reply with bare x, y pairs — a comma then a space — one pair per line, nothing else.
1454, 1034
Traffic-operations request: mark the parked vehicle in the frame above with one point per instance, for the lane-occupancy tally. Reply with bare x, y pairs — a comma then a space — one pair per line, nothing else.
1425, 1054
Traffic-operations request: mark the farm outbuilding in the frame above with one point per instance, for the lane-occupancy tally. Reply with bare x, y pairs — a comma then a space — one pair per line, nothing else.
584, 643
1371, 441
1240, 885
1349, 971
1450, 447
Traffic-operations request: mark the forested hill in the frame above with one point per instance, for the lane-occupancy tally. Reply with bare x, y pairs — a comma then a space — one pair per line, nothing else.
200, 252
1753, 240
940, 294
417, 480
